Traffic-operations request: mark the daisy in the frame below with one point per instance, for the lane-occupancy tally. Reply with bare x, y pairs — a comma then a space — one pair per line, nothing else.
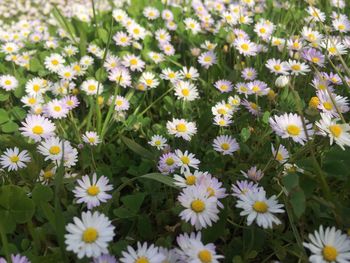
91, 137
243, 187
341, 25
328, 245
277, 67
192, 25
158, 141
47, 175
143, 254
291, 126
54, 62
222, 108
186, 91
258, 87
245, 47
35, 87
334, 47
252, 107
207, 59
249, 74
92, 87
92, 192
171, 75
156, 57
149, 79
136, 31
121, 103
133, 62
8, 82
67, 73
315, 14
200, 208
13, 159
223, 85
53, 148
259, 208
122, 39
105, 258
162, 36
327, 105
281, 155
16, 258
37, 127
181, 128
187, 178
56, 109
253, 174
297, 68
190, 73
121, 76
314, 56
222, 121
90, 235
167, 163
338, 133
225, 144
185, 160
214, 187
167, 48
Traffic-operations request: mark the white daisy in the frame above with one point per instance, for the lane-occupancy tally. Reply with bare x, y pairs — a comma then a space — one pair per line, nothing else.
91, 137
181, 128
90, 235
143, 254
8, 82
92, 192
185, 160
158, 141
13, 159
37, 127
225, 144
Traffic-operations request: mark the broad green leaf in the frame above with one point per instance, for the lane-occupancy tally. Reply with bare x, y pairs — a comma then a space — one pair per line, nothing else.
290, 181
245, 134
35, 65
4, 95
298, 202
137, 148
42, 193
4, 117
165, 179
9, 127
133, 202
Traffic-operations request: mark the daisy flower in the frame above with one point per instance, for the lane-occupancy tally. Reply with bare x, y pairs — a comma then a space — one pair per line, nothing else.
245, 47
200, 208
259, 208
281, 155
91, 137
53, 148
167, 163
67, 73
314, 56
187, 178
327, 106
190, 73
158, 141
243, 187
143, 254
13, 159
253, 174
149, 80
213, 186
171, 75
122, 39
297, 68
121, 103
225, 144
47, 175
276, 66
258, 87
8, 82
93, 191
105, 258
328, 245
133, 62
223, 85
56, 109
338, 133
185, 160
181, 128
291, 126
186, 91
222, 121
37, 127
90, 235
252, 107
192, 25
54, 62
249, 74
92, 87
121, 76
207, 59
16, 258
334, 47
35, 87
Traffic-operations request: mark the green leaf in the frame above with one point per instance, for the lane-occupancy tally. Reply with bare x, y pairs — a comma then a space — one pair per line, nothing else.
144, 227
4, 117
42, 193
137, 148
266, 117
245, 134
101, 75
290, 181
35, 65
15, 202
123, 212
4, 95
133, 202
18, 113
9, 127
160, 178
103, 35
297, 200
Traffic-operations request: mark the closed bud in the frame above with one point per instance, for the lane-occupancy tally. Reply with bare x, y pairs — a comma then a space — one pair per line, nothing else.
314, 102
282, 81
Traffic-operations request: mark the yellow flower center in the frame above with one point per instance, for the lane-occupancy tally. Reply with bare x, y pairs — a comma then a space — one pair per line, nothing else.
119, 102
142, 260
341, 27
205, 256
136, 31
77, 68
225, 146
14, 158
293, 130
296, 67
332, 50
31, 100
55, 62
181, 127
198, 206
48, 174
190, 180
211, 191
254, 106
222, 111
329, 253
37, 130
277, 67
314, 101
8, 82
57, 108
256, 88
245, 47
279, 156
92, 87
188, 75
55, 150
170, 161
185, 160
207, 59
327, 105
91, 139
149, 82
262, 30
67, 74
90, 235
36, 87
185, 92
315, 59
133, 61
260, 207
336, 130
157, 143
93, 190
171, 75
